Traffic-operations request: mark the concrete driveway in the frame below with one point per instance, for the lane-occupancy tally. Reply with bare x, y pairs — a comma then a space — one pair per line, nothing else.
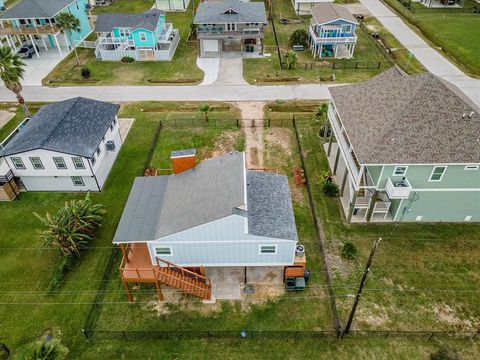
230, 72
210, 68
38, 68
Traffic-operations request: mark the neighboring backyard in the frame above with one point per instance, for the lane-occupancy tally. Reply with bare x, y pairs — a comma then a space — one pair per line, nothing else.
181, 70
454, 33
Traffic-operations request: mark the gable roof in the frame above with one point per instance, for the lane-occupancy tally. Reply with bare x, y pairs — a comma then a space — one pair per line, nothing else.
147, 20
232, 11
159, 206
328, 12
395, 118
36, 9
75, 126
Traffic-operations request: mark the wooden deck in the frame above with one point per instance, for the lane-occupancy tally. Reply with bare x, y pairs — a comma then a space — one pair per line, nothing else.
39, 30
137, 266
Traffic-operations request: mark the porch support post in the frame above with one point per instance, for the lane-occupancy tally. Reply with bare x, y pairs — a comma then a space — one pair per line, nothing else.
320, 52
159, 290
373, 200
58, 45
44, 44
330, 143
34, 46
124, 252
325, 131
337, 157
344, 181
352, 206
127, 290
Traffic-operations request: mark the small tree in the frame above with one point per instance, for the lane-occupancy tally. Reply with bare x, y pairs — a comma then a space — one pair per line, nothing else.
12, 69
205, 109
67, 23
290, 59
330, 188
85, 72
349, 250
299, 37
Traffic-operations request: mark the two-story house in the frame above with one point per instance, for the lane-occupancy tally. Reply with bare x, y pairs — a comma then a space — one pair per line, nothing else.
230, 26
143, 37
332, 31
70, 145
405, 148
33, 22
206, 224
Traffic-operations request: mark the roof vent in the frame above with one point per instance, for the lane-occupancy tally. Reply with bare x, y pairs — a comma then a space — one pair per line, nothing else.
471, 114
464, 115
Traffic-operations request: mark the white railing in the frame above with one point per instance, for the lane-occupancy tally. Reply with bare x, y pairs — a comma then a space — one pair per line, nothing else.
334, 39
399, 189
114, 40
168, 32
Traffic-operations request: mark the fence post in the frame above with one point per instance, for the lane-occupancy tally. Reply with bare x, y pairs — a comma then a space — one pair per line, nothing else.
124, 335
431, 336
238, 123
379, 64
85, 332
175, 122
388, 333
161, 124
356, 64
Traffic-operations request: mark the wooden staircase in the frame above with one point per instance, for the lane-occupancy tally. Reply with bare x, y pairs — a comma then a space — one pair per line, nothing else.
180, 278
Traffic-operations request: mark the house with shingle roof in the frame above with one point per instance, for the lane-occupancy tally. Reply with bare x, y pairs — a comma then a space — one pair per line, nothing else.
142, 37
69, 145
331, 32
405, 148
230, 26
33, 22
214, 217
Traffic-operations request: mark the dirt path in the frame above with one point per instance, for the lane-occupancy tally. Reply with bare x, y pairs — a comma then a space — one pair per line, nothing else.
253, 135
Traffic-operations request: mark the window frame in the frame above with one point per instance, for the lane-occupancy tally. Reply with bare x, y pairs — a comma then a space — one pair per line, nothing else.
275, 246
79, 177
93, 160
143, 36
75, 165
400, 166
42, 167
14, 158
164, 247
471, 167
349, 28
124, 32
55, 158
441, 175
98, 151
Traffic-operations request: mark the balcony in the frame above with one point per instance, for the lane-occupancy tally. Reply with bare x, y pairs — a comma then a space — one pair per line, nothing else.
332, 39
398, 189
219, 32
166, 33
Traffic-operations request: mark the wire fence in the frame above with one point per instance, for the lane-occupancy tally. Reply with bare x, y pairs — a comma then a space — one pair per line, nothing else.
193, 122
343, 65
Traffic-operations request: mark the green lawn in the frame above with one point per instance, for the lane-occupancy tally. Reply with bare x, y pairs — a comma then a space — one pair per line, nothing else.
181, 70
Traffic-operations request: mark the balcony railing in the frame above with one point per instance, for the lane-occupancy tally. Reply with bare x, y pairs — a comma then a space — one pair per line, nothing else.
398, 189
217, 32
331, 39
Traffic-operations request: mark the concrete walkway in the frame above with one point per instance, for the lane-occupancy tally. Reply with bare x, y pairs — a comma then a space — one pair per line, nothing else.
210, 68
430, 58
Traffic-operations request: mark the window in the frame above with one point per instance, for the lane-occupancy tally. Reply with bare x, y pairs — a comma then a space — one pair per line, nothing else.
163, 251
143, 36
78, 163
60, 163
268, 249
98, 150
93, 160
78, 181
400, 171
437, 173
419, 218
124, 32
346, 28
468, 218
37, 163
18, 163
114, 122
471, 167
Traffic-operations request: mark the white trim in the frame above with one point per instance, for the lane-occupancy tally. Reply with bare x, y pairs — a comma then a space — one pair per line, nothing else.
467, 218
471, 167
143, 36
398, 210
268, 253
259, 264
400, 166
422, 164
380, 177
163, 246
450, 189
441, 176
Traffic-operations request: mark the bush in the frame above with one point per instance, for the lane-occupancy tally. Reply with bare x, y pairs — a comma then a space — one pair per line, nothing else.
85, 72
299, 37
290, 59
58, 272
445, 353
45, 349
127, 59
349, 251
330, 188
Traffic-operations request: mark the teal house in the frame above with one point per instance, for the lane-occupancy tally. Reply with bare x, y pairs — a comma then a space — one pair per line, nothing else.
33, 22
143, 37
404, 148
332, 31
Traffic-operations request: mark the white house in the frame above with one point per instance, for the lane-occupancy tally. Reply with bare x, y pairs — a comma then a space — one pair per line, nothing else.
304, 7
70, 145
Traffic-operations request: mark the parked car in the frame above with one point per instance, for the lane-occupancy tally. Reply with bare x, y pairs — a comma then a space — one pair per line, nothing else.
27, 51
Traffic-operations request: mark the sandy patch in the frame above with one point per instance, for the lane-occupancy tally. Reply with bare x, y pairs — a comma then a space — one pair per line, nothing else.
5, 117
281, 137
225, 143
376, 315
446, 314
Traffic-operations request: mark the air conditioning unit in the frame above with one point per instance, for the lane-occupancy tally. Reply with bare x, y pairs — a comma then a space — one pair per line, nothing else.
110, 145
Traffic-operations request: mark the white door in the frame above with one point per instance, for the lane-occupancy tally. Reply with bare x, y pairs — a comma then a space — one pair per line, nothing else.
210, 45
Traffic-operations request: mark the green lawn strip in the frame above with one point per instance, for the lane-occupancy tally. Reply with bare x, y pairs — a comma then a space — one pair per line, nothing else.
181, 70
412, 256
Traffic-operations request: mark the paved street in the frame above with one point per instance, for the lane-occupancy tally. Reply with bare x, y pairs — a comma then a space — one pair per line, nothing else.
430, 58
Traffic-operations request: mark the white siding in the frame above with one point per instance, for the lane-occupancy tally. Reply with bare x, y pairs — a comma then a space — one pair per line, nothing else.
59, 183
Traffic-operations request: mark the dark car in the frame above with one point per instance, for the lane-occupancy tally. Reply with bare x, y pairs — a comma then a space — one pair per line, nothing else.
26, 51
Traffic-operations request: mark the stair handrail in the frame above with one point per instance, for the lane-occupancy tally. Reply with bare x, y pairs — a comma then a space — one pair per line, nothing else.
197, 277
188, 285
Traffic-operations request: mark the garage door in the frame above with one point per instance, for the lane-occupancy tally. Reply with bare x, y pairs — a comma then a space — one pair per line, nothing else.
210, 45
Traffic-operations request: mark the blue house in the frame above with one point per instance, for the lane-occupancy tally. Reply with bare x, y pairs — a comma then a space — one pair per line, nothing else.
332, 31
143, 37
33, 22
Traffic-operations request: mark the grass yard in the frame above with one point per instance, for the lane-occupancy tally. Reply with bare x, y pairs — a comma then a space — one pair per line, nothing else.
267, 70
452, 32
181, 70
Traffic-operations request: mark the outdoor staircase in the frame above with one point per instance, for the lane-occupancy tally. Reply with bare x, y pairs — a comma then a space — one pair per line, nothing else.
180, 278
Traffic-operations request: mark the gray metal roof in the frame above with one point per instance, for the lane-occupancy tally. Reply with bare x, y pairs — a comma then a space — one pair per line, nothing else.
270, 211
328, 12
147, 20
35, 9
395, 118
182, 153
241, 12
75, 126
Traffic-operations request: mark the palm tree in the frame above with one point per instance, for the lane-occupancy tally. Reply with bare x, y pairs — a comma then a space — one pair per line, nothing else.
290, 59
12, 69
67, 23
205, 109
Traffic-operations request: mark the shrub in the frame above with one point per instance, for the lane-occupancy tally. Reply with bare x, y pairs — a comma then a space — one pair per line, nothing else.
127, 59
62, 265
445, 353
290, 59
299, 37
45, 349
330, 188
85, 72
349, 251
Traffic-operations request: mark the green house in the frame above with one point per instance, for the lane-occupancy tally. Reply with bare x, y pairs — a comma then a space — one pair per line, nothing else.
404, 148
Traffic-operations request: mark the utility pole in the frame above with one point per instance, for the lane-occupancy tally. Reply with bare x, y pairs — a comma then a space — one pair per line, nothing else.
362, 285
